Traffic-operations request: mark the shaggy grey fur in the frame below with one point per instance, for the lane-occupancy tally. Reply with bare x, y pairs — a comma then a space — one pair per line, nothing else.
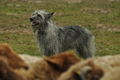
53, 39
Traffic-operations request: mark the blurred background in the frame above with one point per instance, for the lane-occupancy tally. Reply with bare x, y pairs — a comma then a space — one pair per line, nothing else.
101, 17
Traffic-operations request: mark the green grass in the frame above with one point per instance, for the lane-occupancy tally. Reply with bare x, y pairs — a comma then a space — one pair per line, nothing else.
21, 43
101, 17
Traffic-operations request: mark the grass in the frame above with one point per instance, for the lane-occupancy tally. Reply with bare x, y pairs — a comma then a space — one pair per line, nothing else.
101, 17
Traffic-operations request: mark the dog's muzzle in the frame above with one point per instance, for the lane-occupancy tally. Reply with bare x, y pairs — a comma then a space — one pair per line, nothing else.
33, 23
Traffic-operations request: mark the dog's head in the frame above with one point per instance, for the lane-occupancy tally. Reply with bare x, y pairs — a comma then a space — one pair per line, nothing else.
50, 68
39, 18
84, 70
90, 71
13, 59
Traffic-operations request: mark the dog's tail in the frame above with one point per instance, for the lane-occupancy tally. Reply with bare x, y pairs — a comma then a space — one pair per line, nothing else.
91, 47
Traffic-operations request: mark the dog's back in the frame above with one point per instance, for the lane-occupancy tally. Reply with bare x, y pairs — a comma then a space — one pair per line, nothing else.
78, 38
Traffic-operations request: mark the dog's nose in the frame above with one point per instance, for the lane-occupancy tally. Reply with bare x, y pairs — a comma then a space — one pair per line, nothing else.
31, 19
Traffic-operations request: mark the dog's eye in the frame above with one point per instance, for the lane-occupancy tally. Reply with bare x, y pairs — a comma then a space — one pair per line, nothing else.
39, 15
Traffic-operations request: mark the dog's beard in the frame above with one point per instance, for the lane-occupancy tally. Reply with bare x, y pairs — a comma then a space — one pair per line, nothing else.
35, 28
35, 25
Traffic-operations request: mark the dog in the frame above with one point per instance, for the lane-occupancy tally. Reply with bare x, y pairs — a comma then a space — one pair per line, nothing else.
53, 39
12, 57
7, 72
50, 68
84, 70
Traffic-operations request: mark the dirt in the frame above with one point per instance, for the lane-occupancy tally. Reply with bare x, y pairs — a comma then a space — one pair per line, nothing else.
107, 27
28, 31
72, 1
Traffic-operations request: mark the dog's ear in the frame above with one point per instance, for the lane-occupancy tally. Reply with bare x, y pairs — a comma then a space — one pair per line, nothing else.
55, 61
13, 58
62, 61
50, 15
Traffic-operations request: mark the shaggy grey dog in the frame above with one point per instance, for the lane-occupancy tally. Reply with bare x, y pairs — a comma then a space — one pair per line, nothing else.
53, 39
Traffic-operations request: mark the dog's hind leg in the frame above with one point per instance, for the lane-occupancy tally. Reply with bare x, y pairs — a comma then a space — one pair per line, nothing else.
87, 50
83, 52
91, 46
